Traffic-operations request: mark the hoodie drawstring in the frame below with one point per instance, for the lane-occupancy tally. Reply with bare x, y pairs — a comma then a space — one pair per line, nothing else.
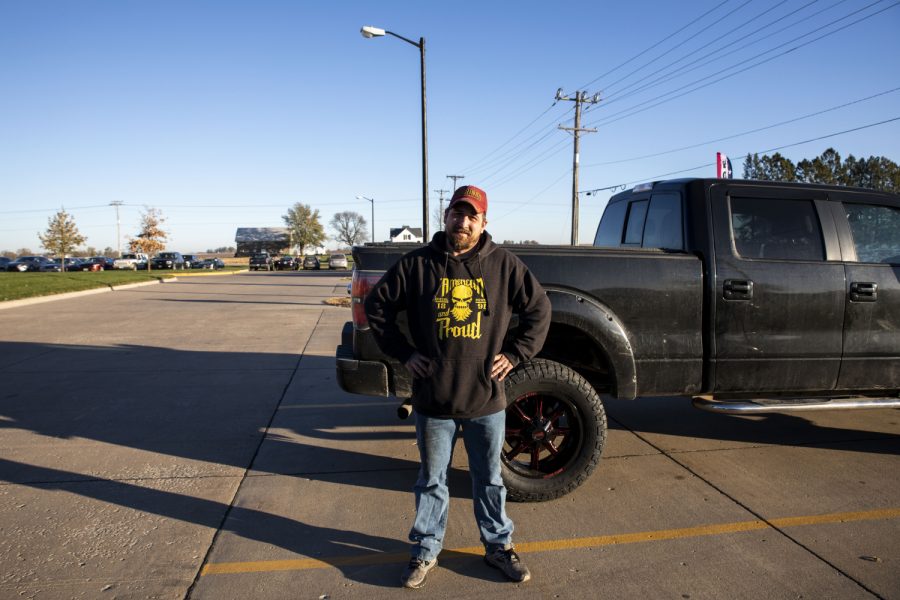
487, 302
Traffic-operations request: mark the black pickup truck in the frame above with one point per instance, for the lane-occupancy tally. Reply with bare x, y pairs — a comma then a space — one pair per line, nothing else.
746, 296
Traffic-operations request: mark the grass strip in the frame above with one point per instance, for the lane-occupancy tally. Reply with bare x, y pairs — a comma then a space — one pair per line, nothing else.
16, 286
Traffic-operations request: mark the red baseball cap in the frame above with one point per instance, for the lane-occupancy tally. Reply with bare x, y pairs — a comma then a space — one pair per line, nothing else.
470, 195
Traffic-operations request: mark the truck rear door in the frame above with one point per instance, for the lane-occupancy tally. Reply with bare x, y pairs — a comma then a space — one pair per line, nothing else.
870, 240
779, 290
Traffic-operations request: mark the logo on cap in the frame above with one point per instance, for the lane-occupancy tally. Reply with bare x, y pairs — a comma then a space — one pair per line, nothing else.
471, 195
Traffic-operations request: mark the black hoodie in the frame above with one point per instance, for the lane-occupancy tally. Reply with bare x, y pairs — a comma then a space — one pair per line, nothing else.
459, 311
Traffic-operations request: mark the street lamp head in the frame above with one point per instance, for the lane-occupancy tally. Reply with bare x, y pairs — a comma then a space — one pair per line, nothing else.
369, 32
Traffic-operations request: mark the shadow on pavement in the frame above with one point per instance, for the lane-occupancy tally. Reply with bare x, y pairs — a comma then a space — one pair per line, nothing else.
674, 416
210, 407
214, 407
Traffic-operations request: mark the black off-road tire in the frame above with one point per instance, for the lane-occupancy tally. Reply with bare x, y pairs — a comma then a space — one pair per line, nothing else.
555, 431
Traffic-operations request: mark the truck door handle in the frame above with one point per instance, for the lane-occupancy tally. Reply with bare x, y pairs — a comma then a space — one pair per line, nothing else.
737, 289
863, 291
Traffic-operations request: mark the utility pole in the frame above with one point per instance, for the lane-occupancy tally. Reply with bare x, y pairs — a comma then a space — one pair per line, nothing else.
579, 99
117, 204
441, 214
454, 178
441, 193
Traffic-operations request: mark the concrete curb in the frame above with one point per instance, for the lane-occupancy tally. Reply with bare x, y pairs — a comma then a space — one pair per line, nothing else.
213, 273
52, 297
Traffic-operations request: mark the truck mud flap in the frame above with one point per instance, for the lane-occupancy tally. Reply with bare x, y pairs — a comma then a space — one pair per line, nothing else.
369, 378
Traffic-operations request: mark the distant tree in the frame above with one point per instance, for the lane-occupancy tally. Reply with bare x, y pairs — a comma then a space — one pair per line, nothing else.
110, 252
221, 250
151, 238
8, 254
90, 251
306, 229
350, 228
24, 252
878, 173
437, 217
62, 236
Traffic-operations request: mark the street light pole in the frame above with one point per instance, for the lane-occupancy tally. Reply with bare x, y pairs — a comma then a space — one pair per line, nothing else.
372, 200
370, 32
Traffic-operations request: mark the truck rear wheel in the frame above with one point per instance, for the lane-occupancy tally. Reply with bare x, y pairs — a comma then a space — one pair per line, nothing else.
555, 431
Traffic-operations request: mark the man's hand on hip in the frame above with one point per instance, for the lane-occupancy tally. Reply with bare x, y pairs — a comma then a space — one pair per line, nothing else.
419, 365
502, 367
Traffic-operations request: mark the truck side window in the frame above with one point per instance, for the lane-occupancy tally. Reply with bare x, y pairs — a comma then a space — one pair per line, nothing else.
776, 229
664, 225
876, 232
609, 232
634, 228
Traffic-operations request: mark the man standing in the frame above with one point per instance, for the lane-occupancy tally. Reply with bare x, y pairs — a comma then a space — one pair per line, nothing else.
460, 292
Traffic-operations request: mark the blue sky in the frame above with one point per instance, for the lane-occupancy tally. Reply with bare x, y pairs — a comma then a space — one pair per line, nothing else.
222, 114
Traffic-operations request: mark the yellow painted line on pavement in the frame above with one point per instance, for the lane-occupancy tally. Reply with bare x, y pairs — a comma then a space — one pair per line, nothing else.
302, 564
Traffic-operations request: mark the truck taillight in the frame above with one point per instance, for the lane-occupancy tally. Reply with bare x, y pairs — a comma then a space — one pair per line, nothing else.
360, 285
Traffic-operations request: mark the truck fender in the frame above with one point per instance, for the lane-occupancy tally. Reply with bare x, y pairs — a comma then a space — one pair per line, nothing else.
600, 323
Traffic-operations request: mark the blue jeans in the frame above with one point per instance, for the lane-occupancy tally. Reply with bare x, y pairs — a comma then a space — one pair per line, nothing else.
483, 438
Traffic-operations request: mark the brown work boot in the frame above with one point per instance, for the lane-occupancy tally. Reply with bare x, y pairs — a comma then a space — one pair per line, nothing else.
416, 571
509, 563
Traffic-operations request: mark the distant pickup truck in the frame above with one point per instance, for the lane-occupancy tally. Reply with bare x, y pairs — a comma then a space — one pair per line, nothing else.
262, 261
134, 261
746, 296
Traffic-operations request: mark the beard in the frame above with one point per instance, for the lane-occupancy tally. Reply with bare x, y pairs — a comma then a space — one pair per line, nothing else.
461, 240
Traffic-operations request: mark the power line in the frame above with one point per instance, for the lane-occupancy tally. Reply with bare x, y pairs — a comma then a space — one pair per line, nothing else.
676, 46
668, 97
775, 149
519, 154
553, 150
39, 210
513, 153
638, 55
743, 133
530, 200
474, 166
716, 53
631, 111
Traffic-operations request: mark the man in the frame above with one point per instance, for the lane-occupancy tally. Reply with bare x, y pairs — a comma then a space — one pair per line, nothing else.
460, 292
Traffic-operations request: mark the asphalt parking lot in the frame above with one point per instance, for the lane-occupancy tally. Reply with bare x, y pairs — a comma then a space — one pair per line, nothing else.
188, 440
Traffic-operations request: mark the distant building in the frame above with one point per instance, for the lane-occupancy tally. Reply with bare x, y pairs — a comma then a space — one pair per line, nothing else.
254, 240
406, 234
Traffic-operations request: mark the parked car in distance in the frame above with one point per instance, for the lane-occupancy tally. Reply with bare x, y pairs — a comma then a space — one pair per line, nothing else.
337, 261
286, 263
133, 260
72, 264
168, 260
102, 263
190, 260
262, 261
210, 263
311, 262
28, 264
4, 262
